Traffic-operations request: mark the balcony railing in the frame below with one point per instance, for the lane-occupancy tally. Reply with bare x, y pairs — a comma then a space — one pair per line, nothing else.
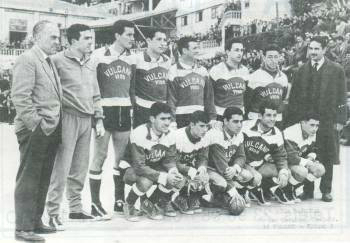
16, 52
11, 52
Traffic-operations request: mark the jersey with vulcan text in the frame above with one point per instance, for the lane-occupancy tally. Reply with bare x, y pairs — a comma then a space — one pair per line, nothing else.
263, 147
190, 90
225, 150
298, 144
150, 154
228, 85
151, 79
115, 76
191, 152
263, 86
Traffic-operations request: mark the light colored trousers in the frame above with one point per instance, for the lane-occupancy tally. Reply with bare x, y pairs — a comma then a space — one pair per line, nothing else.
71, 164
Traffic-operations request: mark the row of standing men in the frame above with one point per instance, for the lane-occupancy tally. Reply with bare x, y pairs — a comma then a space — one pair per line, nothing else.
59, 98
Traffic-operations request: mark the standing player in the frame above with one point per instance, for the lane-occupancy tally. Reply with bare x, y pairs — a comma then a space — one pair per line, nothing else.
267, 83
192, 159
300, 144
152, 155
189, 86
228, 79
152, 68
266, 155
227, 158
80, 105
115, 75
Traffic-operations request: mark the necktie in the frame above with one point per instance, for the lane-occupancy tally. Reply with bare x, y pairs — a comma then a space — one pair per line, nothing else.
315, 66
50, 64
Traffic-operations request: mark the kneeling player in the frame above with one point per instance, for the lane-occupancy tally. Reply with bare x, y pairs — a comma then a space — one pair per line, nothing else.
152, 156
300, 142
266, 155
227, 159
192, 160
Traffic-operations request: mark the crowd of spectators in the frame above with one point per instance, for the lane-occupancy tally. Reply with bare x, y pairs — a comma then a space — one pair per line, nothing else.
7, 110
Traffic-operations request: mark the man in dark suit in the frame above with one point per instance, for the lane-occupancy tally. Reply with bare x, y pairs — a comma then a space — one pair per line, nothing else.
37, 95
319, 86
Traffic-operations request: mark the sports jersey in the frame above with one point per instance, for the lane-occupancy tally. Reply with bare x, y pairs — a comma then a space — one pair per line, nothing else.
190, 90
263, 147
263, 86
116, 76
151, 79
298, 145
228, 85
191, 152
225, 150
150, 154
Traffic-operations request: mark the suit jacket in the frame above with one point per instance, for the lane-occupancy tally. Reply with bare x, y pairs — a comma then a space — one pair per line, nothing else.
332, 94
36, 94
332, 103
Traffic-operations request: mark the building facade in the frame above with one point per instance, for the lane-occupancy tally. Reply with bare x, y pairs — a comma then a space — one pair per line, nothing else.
17, 17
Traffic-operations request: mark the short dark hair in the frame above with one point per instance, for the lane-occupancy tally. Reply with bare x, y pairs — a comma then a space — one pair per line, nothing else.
158, 108
230, 111
119, 26
199, 116
73, 32
310, 115
271, 47
151, 32
229, 43
267, 105
183, 43
320, 39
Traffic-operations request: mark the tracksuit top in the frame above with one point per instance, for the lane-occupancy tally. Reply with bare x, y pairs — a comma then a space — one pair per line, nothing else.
263, 86
115, 76
151, 156
298, 145
191, 152
263, 147
81, 95
229, 86
224, 150
151, 79
189, 90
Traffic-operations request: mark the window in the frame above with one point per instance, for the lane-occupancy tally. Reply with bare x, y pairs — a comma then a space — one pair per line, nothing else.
247, 4
184, 20
214, 13
199, 16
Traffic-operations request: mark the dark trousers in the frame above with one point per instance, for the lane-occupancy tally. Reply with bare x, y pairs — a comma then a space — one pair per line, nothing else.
328, 146
141, 116
37, 156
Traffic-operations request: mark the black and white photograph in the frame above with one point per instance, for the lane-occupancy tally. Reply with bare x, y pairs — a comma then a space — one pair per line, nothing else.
174, 121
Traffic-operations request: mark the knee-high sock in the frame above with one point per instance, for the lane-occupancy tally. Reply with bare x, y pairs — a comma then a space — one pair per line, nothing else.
134, 194
95, 185
118, 185
269, 184
160, 193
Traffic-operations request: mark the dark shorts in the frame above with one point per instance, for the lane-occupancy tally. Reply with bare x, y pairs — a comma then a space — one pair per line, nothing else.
117, 118
141, 116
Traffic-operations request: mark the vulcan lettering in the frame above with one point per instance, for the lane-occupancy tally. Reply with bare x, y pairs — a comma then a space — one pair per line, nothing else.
256, 146
272, 92
194, 81
155, 155
156, 76
118, 70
